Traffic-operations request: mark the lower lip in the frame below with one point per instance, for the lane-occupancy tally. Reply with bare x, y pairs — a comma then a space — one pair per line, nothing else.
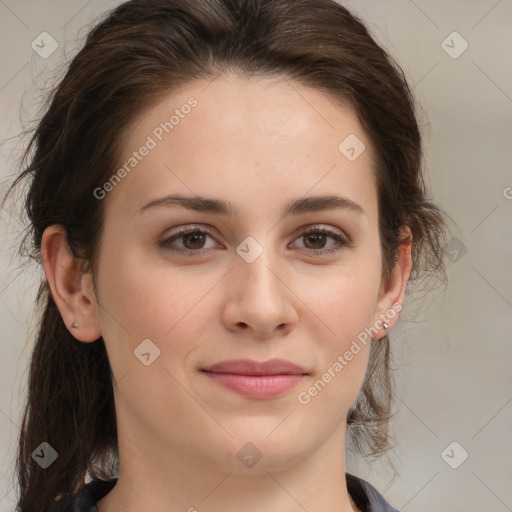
256, 386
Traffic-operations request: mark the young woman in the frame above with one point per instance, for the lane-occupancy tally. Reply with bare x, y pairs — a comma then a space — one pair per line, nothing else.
228, 202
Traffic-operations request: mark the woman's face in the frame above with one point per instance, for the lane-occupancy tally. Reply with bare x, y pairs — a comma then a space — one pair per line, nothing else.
254, 286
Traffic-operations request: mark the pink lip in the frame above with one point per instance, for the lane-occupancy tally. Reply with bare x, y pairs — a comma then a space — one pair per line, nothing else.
256, 379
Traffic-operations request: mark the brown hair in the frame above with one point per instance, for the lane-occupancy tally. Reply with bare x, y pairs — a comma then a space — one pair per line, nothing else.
141, 51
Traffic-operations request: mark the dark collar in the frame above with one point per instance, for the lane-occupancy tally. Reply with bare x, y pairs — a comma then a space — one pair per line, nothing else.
365, 496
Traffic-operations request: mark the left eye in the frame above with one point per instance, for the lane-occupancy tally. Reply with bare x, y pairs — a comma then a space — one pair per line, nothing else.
194, 238
319, 235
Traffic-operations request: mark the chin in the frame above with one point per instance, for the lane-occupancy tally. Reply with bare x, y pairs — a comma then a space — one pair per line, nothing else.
250, 451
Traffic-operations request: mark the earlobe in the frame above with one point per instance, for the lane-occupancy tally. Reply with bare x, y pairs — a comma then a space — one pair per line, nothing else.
64, 274
392, 296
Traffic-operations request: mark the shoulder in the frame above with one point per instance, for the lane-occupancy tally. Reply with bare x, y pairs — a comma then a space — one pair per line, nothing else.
85, 499
365, 496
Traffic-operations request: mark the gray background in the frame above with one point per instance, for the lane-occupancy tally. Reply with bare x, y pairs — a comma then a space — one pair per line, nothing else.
452, 347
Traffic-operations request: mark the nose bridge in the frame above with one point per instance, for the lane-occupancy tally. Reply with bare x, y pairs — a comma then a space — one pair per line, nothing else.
256, 268
260, 296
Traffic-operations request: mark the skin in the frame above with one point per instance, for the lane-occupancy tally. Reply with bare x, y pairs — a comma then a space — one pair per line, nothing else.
257, 143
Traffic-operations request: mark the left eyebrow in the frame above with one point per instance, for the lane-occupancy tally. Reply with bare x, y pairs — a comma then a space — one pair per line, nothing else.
320, 203
220, 207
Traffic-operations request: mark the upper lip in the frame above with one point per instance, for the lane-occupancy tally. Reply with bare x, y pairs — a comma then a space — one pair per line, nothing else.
251, 367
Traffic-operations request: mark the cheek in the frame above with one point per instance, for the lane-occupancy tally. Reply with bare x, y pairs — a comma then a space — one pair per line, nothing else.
343, 304
344, 299
141, 301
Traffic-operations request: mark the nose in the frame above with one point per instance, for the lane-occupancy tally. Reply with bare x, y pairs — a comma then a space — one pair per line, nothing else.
259, 299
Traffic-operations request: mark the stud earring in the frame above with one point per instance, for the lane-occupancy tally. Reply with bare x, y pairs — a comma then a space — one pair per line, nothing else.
74, 324
386, 326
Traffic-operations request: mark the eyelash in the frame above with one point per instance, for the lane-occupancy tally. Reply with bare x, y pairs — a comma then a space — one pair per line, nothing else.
165, 244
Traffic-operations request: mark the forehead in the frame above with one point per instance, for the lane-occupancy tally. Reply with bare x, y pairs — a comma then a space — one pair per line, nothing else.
244, 137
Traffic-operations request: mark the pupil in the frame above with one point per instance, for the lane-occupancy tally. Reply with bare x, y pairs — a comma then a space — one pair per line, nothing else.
187, 237
320, 237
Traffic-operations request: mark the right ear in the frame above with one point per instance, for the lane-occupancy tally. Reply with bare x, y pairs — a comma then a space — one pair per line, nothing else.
70, 287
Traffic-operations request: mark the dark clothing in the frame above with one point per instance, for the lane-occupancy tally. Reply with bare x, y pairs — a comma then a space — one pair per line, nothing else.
365, 496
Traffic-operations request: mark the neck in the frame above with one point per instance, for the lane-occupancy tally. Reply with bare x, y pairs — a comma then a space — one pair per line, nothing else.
151, 479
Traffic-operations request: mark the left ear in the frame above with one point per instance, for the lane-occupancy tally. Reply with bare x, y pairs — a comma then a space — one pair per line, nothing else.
392, 293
